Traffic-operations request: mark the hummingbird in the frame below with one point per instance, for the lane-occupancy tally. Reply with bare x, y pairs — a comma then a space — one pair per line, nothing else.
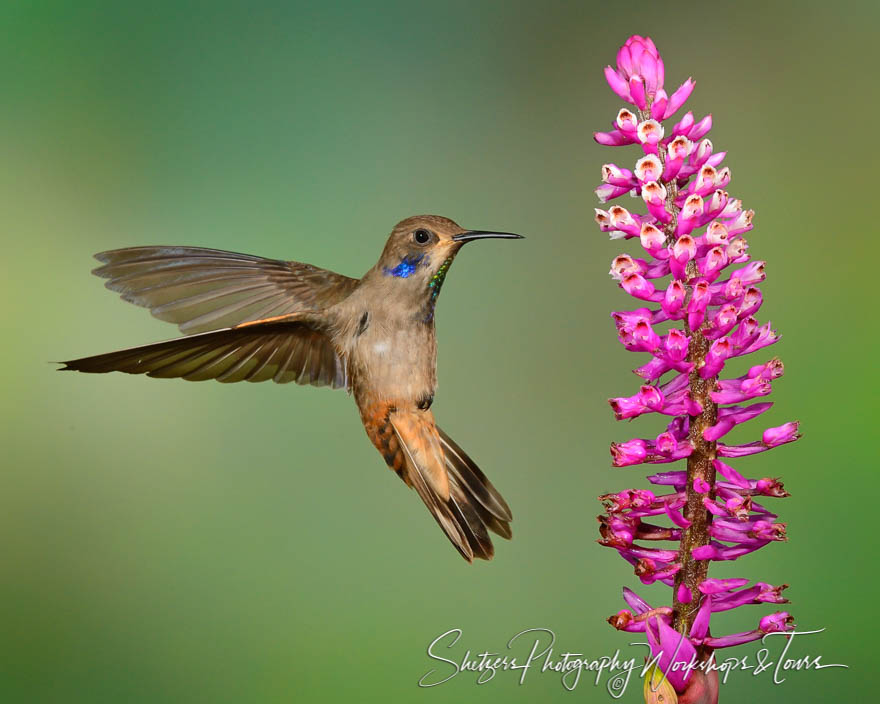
247, 318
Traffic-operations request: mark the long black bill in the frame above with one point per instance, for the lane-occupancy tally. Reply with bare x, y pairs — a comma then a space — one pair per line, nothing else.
485, 235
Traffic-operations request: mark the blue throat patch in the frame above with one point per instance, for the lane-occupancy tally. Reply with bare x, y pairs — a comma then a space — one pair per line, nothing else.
406, 267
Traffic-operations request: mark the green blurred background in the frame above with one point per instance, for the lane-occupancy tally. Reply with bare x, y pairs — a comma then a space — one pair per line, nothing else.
174, 542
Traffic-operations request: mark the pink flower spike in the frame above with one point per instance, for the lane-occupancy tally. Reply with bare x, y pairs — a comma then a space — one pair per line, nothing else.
694, 269
678, 98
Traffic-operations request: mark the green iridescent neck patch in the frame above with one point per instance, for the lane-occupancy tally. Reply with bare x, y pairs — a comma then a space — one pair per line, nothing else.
434, 286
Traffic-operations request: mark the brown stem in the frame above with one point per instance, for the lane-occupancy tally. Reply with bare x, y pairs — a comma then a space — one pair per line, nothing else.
699, 464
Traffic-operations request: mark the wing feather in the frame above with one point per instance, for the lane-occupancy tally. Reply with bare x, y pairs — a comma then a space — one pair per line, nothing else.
295, 350
203, 289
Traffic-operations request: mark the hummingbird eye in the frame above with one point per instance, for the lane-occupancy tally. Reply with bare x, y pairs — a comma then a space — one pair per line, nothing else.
422, 236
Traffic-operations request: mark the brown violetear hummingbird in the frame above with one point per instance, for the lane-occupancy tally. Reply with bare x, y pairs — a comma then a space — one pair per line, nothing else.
247, 318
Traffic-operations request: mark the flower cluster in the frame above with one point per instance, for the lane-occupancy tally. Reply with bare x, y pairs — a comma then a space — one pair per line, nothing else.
698, 299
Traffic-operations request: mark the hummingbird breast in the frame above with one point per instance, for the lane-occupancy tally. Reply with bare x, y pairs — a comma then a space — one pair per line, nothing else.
392, 359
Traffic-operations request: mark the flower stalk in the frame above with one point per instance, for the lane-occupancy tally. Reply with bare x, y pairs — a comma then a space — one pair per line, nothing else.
692, 237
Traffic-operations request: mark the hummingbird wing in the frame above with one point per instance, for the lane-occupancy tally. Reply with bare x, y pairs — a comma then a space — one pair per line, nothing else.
208, 289
460, 498
294, 348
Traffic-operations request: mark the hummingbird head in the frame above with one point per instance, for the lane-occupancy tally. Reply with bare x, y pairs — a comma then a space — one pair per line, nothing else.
420, 250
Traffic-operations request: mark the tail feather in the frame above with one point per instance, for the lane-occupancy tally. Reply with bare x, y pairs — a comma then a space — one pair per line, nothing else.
459, 496
459, 463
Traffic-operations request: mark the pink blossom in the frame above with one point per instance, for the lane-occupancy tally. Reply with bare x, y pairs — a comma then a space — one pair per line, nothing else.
698, 292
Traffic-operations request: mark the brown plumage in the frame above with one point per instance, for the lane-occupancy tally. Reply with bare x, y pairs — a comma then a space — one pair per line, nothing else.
252, 319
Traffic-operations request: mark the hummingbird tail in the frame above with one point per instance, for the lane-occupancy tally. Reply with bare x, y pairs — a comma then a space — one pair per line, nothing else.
459, 496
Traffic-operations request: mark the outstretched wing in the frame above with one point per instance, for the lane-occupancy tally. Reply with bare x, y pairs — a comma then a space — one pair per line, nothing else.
208, 289
295, 349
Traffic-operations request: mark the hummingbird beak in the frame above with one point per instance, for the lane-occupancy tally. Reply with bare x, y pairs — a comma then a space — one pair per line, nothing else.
485, 235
